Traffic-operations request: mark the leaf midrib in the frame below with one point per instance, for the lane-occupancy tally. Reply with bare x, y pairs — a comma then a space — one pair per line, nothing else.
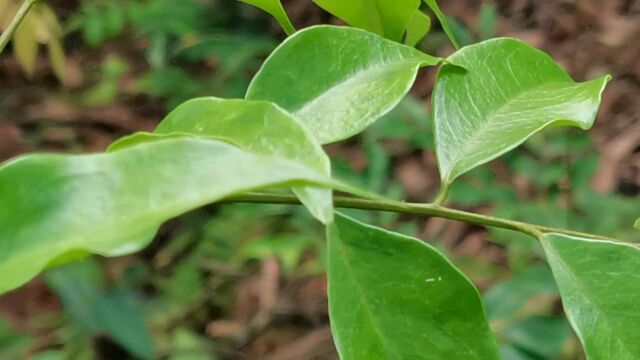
483, 128
361, 292
359, 74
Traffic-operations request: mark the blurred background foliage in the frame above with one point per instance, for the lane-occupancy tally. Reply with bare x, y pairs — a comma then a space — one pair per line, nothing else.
247, 281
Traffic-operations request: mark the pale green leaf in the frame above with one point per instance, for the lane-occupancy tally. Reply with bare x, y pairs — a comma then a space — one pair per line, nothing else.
442, 18
261, 127
383, 17
637, 224
57, 58
112, 204
336, 80
506, 92
599, 282
395, 297
275, 9
25, 44
417, 27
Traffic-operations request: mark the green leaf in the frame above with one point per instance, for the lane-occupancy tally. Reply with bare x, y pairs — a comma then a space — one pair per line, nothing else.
383, 17
442, 18
599, 282
98, 311
417, 28
336, 80
242, 122
275, 9
395, 297
637, 224
506, 92
112, 204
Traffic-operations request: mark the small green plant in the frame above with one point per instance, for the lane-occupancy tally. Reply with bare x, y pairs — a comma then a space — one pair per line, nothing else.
390, 296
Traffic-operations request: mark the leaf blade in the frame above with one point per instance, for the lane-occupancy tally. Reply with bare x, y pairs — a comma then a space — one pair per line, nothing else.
508, 92
598, 282
408, 300
417, 28
339, 101
261, 127
112, 204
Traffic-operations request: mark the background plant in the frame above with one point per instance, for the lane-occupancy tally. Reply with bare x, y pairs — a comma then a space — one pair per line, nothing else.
373, 152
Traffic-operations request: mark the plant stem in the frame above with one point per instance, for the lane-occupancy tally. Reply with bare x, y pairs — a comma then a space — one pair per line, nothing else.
442, 194
6, 36
418, 209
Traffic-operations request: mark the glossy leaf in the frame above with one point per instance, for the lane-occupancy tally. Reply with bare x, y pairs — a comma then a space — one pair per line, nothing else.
417, 27
383, 17
599, 282
261, 127
336, 80
112, 204
442, 18
275, 9
508, 92
395, 297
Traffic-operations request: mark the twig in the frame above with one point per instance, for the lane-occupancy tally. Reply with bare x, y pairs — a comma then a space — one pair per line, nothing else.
419, 209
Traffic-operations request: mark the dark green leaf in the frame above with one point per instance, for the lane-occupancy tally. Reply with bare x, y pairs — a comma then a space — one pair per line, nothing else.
508, 92
395, 297
599, 283
336, 80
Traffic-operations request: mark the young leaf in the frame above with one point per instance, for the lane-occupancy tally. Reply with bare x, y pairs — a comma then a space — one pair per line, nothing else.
442, 18
337, 80
383, 17
112, 204
417, 28
506, 92
275, 9
395, 297
599, 282
261, 127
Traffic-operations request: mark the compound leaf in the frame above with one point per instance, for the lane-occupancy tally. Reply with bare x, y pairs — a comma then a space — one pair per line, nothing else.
395, 297
599, 282
383, 17
506, 92
336, 80
112, 204
261, 127
275, 9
